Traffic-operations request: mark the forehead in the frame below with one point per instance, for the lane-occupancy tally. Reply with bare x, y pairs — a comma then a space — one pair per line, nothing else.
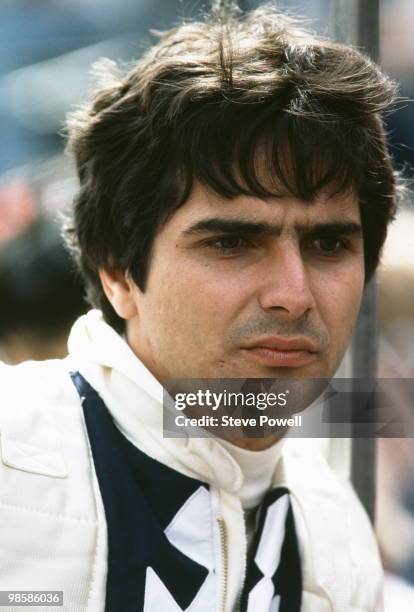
288, 211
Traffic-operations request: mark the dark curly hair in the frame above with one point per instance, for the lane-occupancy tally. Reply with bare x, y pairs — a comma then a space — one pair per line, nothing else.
201, 104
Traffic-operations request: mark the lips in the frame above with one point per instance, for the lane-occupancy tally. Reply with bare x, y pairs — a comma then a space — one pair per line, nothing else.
280, 343
277, 351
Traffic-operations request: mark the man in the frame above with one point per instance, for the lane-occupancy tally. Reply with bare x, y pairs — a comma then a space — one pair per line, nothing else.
235, 191
41, 294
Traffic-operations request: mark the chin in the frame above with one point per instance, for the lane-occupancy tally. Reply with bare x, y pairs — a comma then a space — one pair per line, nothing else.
311, 371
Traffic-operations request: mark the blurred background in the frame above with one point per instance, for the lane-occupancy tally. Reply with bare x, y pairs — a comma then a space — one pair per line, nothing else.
47, 48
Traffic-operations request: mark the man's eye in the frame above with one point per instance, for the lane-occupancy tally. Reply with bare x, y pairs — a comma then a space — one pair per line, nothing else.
229, 243
329, 245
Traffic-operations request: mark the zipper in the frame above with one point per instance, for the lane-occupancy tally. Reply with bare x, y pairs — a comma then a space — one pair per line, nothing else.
244, 570
224, 562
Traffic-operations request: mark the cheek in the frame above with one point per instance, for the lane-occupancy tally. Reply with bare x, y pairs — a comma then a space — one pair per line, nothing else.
340, 303
196, 304
198, 289
179, 310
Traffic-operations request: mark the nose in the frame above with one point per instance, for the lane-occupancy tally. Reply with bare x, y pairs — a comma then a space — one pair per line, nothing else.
286, 288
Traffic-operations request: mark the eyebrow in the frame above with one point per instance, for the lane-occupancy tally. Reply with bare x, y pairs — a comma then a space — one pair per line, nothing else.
245, 227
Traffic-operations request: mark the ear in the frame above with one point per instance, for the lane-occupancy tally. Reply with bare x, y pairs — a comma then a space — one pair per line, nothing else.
119, 289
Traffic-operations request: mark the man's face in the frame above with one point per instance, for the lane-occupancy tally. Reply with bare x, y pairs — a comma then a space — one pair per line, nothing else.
250, 288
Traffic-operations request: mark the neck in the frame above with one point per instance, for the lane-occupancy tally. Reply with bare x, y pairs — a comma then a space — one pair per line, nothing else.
257, 444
